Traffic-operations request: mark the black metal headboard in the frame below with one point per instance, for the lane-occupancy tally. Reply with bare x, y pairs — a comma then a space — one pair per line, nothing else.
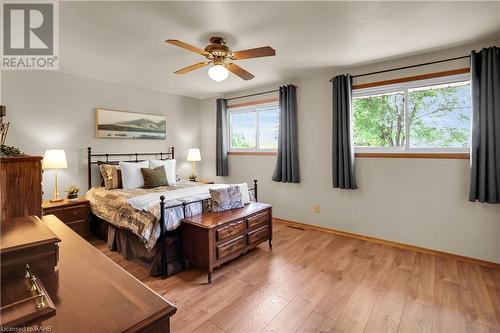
112, 158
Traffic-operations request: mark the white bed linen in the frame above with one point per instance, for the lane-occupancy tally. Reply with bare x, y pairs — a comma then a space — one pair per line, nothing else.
187, 194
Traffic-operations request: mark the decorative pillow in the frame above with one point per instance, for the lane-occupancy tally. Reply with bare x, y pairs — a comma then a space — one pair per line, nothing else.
169, 169
111, 176
132, 175
244, 192
154, 177
226, 198
236, 197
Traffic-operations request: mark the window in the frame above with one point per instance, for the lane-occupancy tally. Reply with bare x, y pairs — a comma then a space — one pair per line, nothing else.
419, 116
379, 120
254, 128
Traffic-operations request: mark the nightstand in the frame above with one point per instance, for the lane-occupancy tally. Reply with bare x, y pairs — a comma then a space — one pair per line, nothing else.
205, 181
75, 214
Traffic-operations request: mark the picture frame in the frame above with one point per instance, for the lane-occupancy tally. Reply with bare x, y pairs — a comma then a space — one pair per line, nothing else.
117, 124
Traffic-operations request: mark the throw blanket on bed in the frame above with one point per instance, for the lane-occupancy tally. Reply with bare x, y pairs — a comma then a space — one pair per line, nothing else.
112, 206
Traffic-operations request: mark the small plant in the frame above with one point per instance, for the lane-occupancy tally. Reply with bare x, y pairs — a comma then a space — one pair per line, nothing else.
73, 192
9, 151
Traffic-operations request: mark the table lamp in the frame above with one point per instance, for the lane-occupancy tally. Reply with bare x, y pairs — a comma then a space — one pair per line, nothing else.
193, 156
55, 159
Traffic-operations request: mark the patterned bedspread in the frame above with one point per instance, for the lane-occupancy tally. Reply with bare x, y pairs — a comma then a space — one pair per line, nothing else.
112, 206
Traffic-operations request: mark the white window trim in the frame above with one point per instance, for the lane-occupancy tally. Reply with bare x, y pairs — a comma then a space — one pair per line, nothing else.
245, 109
404, 87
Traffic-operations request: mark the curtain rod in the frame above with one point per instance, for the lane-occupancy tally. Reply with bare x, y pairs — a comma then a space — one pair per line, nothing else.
411, 66
251, 95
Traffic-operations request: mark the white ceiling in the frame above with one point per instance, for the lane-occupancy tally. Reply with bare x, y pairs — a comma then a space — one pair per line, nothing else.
123, 42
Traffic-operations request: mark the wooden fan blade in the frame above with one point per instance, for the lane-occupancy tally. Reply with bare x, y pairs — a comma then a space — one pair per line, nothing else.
239, 71
258, 52
191, 68
187, 46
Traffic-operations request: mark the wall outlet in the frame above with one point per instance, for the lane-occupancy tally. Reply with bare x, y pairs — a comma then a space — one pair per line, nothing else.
316, 209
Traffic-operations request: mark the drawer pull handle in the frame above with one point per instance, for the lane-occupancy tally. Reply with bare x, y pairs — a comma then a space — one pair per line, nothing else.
258, 216
232, 227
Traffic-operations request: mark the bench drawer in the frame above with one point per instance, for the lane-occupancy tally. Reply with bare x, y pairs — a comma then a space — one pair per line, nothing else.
231, 229
258, 235
258, 219
230, 247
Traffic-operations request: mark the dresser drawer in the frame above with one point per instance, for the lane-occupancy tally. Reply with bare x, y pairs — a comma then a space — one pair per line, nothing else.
233, 246
41, 258
258, 219
231, 229
80, 227
70, 214
258, 235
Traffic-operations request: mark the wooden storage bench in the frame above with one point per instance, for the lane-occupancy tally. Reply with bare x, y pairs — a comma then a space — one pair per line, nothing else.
213, 238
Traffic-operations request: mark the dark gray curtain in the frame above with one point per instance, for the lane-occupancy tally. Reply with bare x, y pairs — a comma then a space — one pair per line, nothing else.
287, 163
485, 147
342, 153
221, 138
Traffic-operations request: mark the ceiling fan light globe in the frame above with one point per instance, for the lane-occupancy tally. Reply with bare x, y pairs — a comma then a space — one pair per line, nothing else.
218, 73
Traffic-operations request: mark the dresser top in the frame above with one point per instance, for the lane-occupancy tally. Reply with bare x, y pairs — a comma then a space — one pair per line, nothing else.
93, 294
23, 158
213, 219
24, 232
46, 204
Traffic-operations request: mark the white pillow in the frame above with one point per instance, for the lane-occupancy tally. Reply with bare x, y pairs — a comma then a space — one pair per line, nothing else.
132, 175
169, 169
244, 192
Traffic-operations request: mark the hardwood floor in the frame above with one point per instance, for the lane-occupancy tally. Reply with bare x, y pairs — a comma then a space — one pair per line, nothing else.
318, 282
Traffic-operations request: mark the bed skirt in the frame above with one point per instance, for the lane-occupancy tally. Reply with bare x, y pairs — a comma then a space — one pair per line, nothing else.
131, 248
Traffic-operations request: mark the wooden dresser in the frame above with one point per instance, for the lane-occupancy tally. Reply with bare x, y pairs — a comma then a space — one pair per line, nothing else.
28, 249
20, 186
213, 238
74, 213
93, 294
26, 240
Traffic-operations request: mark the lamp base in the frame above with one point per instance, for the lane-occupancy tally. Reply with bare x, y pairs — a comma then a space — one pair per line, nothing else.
56, 200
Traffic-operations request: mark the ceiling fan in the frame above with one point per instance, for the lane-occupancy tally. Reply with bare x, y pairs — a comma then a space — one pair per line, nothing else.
222, 57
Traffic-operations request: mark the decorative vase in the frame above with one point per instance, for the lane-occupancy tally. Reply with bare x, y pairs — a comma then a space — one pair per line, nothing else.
73, 196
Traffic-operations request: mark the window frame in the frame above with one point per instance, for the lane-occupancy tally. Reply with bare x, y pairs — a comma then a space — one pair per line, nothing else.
253, 108
405, 87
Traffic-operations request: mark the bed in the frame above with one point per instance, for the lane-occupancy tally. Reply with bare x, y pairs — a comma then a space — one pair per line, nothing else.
144, 225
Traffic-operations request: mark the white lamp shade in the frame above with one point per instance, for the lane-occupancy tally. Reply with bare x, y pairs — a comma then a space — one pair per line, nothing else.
194, 155
218, 73
54, 159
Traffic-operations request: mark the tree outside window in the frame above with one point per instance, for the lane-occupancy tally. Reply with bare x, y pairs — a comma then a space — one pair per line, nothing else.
431, 116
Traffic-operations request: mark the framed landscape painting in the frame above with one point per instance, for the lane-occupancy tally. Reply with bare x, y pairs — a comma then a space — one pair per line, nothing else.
112, 124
